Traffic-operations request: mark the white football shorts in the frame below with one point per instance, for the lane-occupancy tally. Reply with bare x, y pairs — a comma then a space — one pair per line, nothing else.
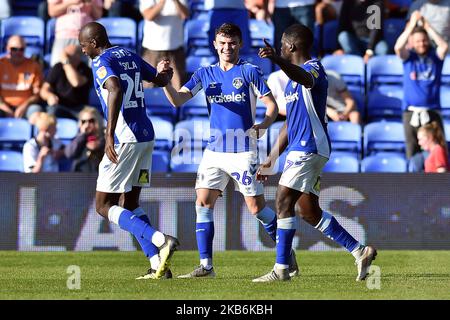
133, 169
217, 168
302, 171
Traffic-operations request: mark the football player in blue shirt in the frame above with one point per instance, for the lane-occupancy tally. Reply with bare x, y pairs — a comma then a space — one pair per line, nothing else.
305, 136
231, 87
125, 167
422, 70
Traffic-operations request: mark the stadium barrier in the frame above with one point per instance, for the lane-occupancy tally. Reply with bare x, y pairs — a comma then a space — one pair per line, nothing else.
56, 212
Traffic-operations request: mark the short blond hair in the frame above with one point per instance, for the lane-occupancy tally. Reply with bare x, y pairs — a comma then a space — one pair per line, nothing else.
45, 120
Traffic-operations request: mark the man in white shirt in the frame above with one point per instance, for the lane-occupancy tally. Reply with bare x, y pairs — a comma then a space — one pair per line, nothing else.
164, 34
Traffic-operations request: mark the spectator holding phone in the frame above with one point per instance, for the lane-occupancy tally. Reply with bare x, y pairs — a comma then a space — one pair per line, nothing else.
87, 148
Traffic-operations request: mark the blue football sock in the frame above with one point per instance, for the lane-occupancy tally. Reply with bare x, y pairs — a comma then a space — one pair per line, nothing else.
127, 221
285, 235
268, 219
204, 230
148, 247
330, 227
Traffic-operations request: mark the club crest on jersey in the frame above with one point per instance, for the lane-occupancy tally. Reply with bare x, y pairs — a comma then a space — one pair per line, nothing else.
238, 82
101, 72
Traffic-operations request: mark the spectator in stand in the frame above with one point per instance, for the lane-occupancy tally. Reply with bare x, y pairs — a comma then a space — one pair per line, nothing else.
288, 12
431, 138
70, 16
66, 88
20, 82
164, 35
421, 79
42, 152
325, 11
340, 104
436, 12
121, 8
228, 11
255, 8
87, 148
356, 35
277, 82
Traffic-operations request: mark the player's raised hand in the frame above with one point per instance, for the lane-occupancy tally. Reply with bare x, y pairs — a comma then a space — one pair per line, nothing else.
164, 67
110, 151
267, 52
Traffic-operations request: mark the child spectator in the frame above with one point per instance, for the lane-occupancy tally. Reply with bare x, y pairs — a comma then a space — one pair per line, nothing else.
432, 139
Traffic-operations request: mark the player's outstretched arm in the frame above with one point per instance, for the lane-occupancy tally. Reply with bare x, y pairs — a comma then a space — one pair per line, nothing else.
271, 112
293, 71
177, 98
112, 85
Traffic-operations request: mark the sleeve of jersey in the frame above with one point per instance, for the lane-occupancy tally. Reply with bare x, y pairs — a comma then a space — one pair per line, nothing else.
194, 84
148, 72
315, 73
258, 82
104, 71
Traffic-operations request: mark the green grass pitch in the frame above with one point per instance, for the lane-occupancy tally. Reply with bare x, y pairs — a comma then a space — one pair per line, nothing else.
323, 275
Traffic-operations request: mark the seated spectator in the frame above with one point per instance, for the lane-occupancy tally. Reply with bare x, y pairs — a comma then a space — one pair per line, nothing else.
277, 82
66, 88
325, 11
164, 35
70, 16
20, 82
255, 9
42, 152
355, 36
422, 67
87, 148
340, 104
121, 8
431, 138
436, 12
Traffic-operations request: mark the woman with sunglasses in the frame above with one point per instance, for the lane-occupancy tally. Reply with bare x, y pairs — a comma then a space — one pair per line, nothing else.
87, 148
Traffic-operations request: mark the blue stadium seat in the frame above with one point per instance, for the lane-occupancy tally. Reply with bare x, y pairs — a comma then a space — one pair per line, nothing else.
385, 103
14, 133
94, 100
329, 36
384, 162
196, 37
160, 161
383, 136
345, 136
121, 31
264, 64
360, 100
163, 133
66, 129
25, 7
447, 130
350, 67
49, 34
193, 132
30, 28
445, 102
260, 30
140, 36
186, 161
194, 62
341, 161
11, 161
386, 69
195, 107
446, 71
157, 104
392, 29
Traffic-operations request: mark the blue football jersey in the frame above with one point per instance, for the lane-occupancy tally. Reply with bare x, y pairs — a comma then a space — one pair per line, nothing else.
133, 124
306, 112
231, 100
422, 80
